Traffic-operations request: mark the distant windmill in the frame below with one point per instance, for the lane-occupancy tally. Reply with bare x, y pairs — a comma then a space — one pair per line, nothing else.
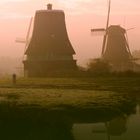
115, 47
27, 39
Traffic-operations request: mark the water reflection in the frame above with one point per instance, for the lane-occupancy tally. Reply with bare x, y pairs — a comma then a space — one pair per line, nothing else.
101, 130
121, 127
122, 123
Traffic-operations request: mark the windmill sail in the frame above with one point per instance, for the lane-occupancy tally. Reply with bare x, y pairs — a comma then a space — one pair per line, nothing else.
26, 40
107, 24
102, 30
127, 44
28, 34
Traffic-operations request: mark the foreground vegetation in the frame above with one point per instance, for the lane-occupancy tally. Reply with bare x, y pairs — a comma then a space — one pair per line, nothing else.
60, 93
106, 83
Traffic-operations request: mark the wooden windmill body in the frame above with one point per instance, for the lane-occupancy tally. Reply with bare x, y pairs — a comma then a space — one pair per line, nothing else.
49, 51
117, 51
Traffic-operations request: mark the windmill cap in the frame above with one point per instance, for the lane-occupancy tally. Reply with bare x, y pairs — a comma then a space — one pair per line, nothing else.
49, 6
49, 10
116, 29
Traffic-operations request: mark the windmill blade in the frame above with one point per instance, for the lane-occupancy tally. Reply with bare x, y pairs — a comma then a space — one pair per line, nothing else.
130, 29
28, 34
104, 44
127, 45
108, 15
29, 30
107, 25
20, 40
27, 38
98, 31
25, 41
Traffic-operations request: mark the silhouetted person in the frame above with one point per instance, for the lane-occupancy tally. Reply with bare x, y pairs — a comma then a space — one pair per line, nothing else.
14, 78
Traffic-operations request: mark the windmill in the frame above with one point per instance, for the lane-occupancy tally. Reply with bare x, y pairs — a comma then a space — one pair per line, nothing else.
27, 39
115, 47
49, 52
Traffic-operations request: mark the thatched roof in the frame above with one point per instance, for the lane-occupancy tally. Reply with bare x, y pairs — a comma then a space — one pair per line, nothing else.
49, 34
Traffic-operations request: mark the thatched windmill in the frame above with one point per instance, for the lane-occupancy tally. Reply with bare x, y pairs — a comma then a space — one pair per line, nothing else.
115, 48
49, 51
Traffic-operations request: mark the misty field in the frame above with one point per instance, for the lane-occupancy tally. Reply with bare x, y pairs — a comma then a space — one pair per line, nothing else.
63, 93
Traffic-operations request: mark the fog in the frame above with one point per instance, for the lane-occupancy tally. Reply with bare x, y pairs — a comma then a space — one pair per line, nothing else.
80, 18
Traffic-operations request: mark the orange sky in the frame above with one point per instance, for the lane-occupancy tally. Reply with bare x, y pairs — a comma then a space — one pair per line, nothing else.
81, 16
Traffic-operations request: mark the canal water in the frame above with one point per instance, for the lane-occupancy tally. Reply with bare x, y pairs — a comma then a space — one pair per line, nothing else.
121, 127
120, 123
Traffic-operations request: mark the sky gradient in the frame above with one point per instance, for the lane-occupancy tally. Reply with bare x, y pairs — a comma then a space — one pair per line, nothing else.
81, 16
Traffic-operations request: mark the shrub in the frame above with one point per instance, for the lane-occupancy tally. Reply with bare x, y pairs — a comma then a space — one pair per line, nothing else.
98, 66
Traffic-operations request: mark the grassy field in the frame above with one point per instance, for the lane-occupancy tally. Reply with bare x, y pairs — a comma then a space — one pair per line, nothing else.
63, 93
